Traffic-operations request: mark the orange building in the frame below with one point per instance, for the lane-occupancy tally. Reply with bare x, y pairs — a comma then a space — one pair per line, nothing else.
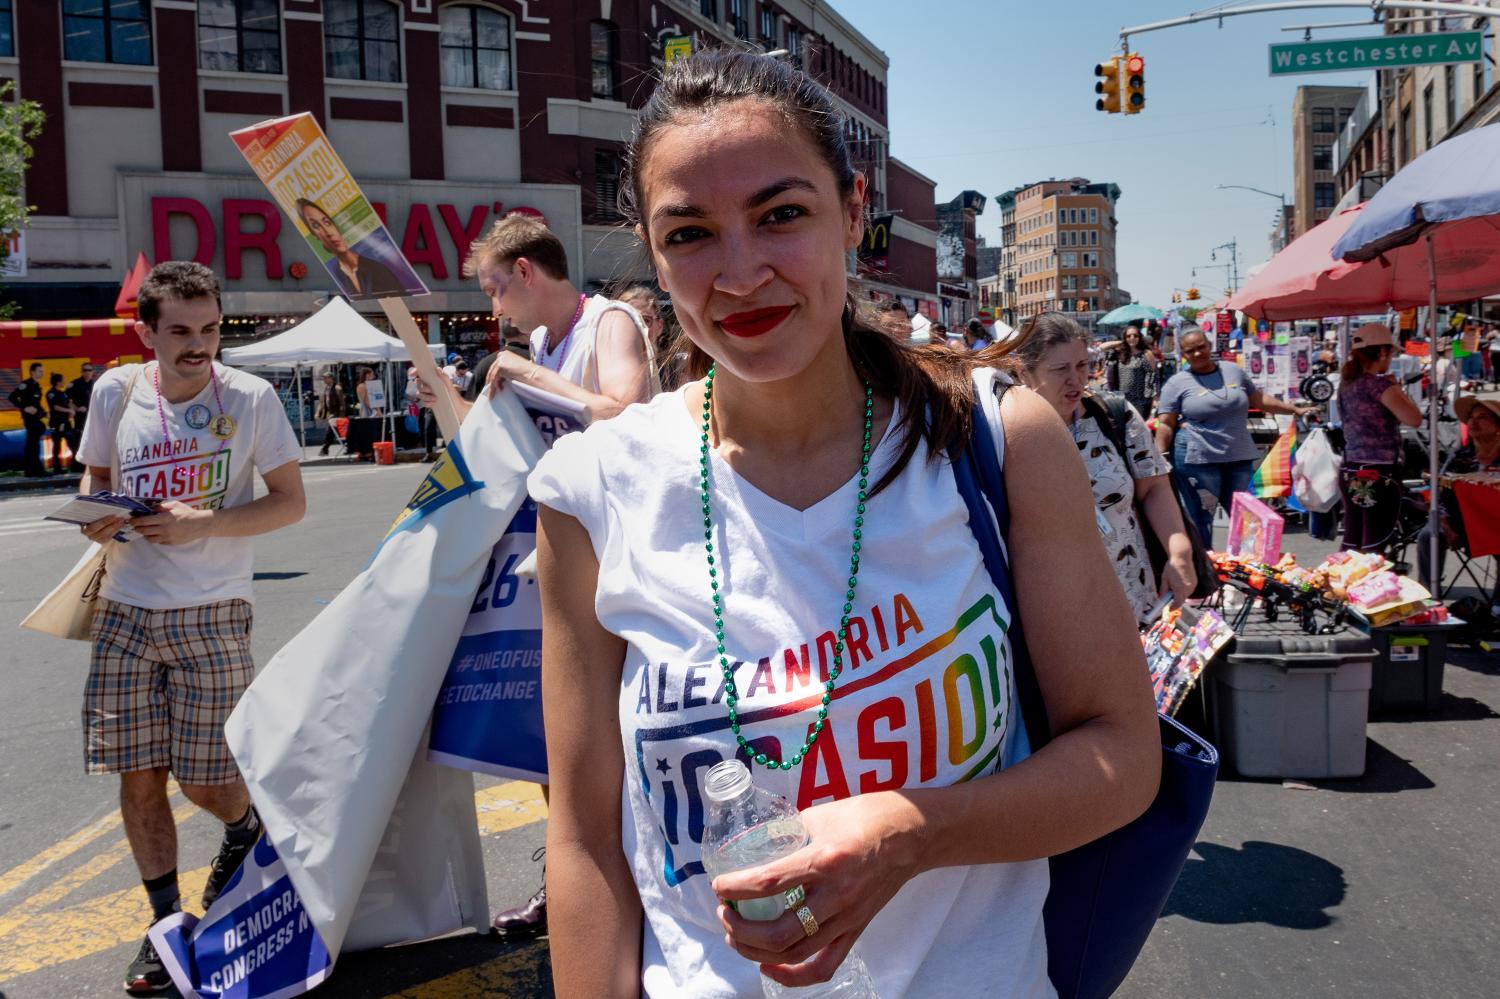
1058, 250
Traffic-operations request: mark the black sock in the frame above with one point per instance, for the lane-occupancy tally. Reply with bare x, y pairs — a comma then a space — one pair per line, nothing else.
163, 894
243, 831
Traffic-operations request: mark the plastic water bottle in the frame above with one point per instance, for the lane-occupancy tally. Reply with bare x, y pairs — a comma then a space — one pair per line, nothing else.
746, 827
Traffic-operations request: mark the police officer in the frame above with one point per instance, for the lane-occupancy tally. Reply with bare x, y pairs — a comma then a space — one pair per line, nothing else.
27, 397
81, 391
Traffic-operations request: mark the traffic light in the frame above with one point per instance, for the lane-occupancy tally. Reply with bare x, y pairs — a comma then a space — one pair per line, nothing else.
1193, 295
1135, 84
1108, 85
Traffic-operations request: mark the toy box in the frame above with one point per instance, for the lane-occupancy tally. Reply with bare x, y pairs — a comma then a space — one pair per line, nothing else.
1254, 530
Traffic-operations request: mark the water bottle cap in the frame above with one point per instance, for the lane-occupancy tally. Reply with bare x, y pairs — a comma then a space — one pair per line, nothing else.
726, 780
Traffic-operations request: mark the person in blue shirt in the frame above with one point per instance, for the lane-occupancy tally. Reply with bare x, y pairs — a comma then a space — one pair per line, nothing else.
1209, 402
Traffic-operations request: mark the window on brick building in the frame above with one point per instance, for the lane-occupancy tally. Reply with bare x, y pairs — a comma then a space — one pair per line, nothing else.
606, 185
1068, 261
242, 36
768, 26
362, 40
794, 43
1427, 116
1322, 119
1324, 195
709, 9
7, 28
119, 31
476, 47
739, 20
602, 58
1323, 158
1450, 94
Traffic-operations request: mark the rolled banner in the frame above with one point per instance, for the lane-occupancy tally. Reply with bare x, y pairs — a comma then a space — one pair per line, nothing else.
382, 846
488, 714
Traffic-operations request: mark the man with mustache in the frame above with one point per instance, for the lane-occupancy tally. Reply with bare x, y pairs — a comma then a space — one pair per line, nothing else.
171, 637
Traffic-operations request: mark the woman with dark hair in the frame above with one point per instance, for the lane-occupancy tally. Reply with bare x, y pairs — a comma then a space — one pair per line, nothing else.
1128, 476
774, 562
357, 276
1133, 373
1372, 408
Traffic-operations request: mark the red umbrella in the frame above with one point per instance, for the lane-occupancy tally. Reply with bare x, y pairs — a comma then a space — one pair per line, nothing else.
1304, 281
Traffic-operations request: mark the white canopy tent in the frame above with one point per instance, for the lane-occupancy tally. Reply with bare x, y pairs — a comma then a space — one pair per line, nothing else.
335, 334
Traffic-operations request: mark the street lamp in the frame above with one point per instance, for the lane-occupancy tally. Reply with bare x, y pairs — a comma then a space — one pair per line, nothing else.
1243, 187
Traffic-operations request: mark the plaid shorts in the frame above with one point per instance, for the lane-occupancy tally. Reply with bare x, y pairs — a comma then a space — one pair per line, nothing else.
161, 685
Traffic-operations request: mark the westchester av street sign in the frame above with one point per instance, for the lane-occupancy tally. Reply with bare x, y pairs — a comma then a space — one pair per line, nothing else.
1380, 52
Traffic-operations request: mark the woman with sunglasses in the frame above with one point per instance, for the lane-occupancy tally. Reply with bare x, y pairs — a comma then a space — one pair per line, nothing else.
1372, 408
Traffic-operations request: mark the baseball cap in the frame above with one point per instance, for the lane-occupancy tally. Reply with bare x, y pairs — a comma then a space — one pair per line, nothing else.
1371, 335
453, 357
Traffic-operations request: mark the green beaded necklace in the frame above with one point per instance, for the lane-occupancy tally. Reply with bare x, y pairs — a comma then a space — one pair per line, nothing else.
731, 697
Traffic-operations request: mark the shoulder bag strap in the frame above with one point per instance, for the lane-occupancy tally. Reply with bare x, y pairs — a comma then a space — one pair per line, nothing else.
981, 483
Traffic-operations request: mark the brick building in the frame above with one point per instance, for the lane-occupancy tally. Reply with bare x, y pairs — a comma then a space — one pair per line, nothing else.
448, 112
1319, 115
1058, 239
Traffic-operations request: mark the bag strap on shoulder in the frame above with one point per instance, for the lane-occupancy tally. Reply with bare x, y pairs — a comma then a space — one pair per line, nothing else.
981, 483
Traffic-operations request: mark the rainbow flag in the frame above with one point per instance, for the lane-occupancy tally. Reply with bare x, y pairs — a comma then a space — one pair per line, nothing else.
1274, 476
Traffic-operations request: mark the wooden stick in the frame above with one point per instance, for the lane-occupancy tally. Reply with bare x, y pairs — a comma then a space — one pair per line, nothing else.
406, 327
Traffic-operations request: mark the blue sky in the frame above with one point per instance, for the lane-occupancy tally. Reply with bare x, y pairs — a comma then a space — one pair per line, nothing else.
991, 95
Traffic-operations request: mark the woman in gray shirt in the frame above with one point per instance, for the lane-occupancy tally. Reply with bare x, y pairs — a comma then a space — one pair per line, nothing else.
1210, 403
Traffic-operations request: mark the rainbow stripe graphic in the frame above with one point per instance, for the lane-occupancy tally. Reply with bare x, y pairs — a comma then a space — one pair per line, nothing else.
1274, 476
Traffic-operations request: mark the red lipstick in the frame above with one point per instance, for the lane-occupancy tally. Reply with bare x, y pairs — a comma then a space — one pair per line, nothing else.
755, 322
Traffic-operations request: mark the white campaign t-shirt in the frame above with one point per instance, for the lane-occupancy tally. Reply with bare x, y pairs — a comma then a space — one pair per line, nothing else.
575, 358
192, 467
926, 698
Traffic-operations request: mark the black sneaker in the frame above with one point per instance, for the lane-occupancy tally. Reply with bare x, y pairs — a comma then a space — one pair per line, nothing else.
226, 863
146, 976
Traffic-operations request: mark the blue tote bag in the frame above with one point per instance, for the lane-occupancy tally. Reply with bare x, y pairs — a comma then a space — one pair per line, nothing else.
1106, 895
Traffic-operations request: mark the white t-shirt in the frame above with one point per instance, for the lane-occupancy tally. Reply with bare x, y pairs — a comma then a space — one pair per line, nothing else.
190, 468
575, 358
926, 698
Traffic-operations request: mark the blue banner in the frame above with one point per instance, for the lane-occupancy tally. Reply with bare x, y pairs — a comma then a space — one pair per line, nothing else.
255, 942
488, 713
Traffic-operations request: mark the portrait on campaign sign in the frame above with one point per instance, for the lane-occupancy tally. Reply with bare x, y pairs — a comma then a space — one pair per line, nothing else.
299, 166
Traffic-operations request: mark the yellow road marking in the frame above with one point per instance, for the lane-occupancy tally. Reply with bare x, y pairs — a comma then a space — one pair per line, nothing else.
75, 879
492, 978
509, 806
31, 940
60, 850
45, 939
64, 849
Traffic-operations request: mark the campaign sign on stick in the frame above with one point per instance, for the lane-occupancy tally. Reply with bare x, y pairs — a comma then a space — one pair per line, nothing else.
255, 941
488, 715
299, 166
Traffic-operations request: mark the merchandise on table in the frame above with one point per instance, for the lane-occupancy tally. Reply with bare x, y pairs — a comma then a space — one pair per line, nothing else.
1254, 529
1178, 646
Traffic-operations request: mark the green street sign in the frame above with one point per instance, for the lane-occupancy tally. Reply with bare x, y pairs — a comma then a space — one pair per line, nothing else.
1342, 55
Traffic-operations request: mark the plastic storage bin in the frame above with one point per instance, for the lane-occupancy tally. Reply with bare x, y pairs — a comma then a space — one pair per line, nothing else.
1287, 706
1408, 672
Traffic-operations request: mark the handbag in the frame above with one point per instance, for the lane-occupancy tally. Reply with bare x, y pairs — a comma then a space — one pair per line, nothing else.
1105, 896
68, 611
1110, 411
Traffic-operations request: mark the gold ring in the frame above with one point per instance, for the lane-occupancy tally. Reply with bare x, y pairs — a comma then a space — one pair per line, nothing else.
805, 917
795, 896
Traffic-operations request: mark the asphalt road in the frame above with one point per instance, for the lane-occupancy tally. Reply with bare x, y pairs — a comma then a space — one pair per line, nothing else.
1378, 886
72, 911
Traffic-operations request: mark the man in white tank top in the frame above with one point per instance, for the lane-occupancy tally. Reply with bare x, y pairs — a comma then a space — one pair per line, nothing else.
589, 349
